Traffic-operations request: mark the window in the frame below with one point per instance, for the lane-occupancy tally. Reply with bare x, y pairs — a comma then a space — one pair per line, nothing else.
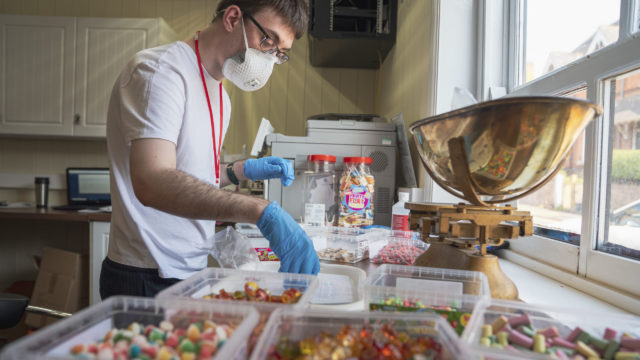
623, 183
560, 32
587, 219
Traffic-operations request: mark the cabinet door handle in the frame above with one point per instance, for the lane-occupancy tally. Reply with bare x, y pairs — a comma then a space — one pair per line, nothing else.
76, 119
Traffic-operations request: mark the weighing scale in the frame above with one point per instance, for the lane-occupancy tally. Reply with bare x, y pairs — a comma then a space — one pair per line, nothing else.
490, 154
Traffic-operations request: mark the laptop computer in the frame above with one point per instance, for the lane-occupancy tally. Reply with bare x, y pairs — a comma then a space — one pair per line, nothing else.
87, 188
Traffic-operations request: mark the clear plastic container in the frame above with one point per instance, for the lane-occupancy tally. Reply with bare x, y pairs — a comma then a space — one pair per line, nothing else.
339, 286
320, 205
296, 325
93, 323
357, 186
348, 245
542, 317
455, 294
397, 247
212, 280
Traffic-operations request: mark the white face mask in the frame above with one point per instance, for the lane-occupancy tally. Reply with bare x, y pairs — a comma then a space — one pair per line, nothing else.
249, 70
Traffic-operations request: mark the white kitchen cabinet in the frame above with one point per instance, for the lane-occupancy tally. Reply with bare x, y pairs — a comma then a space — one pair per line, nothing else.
104, 46
37, 61
57, 72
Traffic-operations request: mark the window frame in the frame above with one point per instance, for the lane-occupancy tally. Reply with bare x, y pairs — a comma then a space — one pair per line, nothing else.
593, 73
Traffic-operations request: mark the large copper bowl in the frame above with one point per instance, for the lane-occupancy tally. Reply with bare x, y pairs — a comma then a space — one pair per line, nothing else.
501, 149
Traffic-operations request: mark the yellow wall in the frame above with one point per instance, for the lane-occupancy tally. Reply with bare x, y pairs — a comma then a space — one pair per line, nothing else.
296, 90
406, 76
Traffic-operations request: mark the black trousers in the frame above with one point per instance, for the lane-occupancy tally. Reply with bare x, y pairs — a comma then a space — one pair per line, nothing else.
119, 279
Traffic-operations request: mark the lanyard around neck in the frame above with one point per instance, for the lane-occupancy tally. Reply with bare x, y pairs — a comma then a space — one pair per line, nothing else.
216, 152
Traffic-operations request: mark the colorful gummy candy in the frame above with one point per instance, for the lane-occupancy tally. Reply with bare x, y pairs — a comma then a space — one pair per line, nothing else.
198, 340
254, 293
457, 318
358, 343
397, 252
518, 334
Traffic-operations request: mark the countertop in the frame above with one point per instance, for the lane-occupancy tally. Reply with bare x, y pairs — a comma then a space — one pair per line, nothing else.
32, 213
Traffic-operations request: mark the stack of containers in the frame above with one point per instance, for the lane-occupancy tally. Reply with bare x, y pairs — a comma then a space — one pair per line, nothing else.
510, 330
342, 335
454, 294
396, 247
157, 321
211, 280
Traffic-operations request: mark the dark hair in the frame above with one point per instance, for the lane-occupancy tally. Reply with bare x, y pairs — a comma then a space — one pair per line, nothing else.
293, 12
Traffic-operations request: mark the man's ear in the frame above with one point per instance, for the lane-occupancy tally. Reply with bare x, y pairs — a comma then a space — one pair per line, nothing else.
231, 17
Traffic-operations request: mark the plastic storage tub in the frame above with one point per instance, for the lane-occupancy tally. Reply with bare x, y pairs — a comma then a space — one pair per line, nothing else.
295, 326
211, 280
348, 245
455, 294
396, 247
565, 320
339, 286
93, 323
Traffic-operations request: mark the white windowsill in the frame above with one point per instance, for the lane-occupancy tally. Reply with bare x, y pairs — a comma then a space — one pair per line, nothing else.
536, 288
544, 284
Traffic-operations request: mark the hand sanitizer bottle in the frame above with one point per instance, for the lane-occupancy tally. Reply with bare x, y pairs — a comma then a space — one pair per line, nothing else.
400, 215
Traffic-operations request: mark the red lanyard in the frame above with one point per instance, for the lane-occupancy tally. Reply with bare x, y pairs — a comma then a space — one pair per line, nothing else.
216, 152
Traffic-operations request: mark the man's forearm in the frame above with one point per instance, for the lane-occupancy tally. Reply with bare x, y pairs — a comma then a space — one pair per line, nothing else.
181, 194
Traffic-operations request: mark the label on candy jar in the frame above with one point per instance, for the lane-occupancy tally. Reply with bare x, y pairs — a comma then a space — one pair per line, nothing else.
357, 199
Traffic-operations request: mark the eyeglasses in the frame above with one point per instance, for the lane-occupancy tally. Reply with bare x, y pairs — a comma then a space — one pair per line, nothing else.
268, 45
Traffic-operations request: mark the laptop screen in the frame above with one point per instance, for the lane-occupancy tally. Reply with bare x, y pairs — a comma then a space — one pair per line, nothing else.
88, 186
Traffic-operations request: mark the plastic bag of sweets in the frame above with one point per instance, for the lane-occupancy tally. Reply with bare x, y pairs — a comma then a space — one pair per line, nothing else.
357, 186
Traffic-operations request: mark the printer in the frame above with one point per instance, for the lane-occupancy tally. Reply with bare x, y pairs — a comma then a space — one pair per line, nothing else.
339, 136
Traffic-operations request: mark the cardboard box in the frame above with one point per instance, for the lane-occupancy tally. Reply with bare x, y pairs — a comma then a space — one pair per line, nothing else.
60, 285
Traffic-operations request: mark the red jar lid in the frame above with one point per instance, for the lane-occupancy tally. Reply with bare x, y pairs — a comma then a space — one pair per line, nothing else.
321, 157
358, 160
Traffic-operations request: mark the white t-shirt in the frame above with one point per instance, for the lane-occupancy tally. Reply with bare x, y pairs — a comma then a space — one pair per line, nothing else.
160, 95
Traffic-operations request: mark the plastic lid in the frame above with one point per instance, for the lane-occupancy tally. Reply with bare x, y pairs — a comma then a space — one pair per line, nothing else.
403, 196
321, 157
358, 159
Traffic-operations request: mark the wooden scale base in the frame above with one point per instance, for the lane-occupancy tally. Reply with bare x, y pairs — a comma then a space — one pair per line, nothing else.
459, 236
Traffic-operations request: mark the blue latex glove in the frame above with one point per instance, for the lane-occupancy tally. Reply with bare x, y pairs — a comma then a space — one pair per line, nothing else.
288, 241
270, 167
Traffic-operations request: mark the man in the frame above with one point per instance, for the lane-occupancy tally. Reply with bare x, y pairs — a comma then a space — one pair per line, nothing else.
167, 118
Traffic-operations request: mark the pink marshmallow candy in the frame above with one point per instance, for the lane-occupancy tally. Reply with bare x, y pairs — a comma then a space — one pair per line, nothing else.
574, 334
519, 320
610, 334
561, 355
550, 332
630, 343
520, 339
558, 341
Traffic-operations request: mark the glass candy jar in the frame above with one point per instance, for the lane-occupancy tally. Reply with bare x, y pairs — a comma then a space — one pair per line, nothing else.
356, 193
320, 203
